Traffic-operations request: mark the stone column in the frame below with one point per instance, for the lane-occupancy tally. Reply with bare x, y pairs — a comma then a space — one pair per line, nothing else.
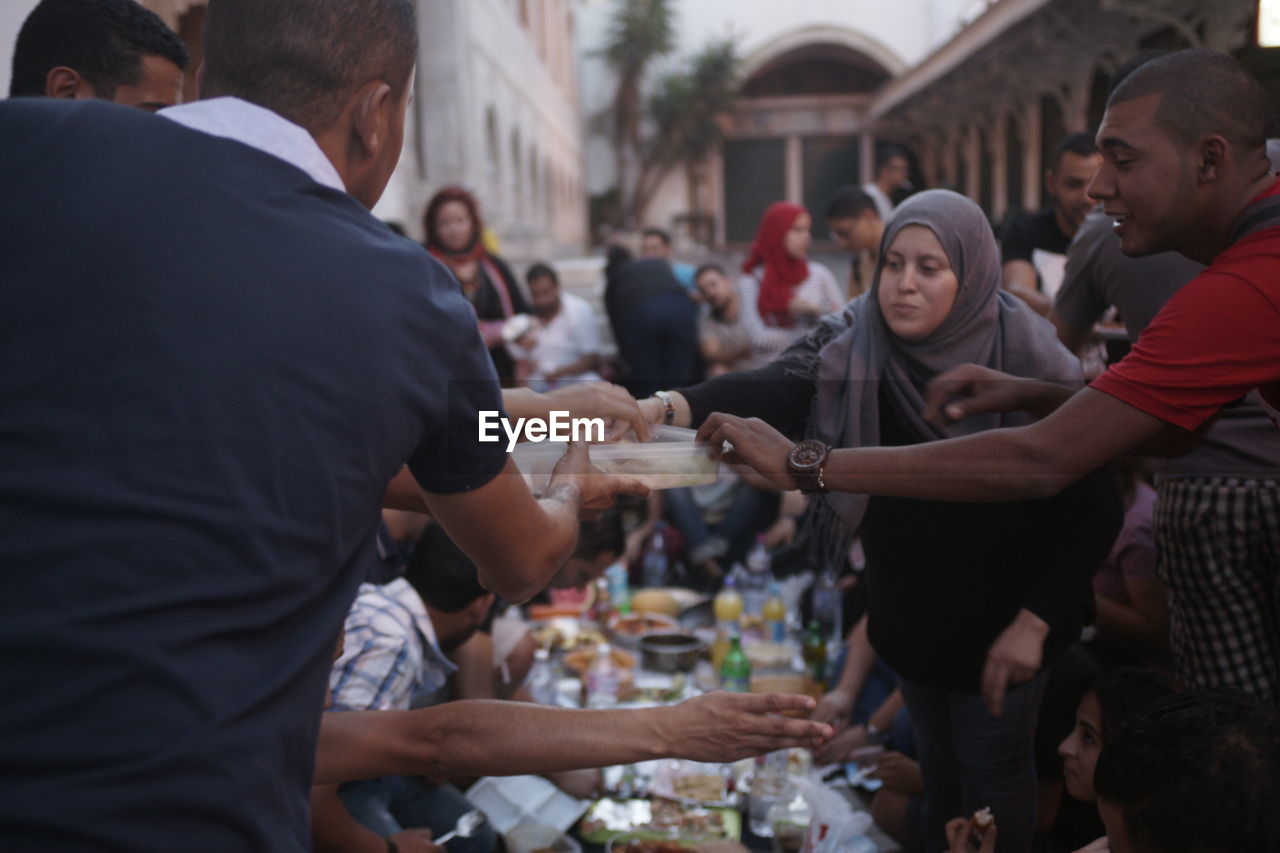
866, 157
794, 160
973, 162
998, 134
1030, 129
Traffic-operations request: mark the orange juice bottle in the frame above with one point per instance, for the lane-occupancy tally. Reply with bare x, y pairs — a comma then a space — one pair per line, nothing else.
774, 614
727, 608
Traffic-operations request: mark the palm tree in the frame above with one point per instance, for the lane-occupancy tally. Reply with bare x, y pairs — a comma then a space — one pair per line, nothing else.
639, 32
686, 110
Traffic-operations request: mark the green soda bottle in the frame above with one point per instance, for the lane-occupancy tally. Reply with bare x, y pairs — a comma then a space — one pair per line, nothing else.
814, 653
735, 672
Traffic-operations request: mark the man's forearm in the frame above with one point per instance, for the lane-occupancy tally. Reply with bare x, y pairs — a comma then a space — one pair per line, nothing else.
513, 738
992, 466
482, 738
1034, 461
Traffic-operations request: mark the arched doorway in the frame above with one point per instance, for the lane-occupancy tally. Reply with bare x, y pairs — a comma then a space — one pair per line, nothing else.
799, 131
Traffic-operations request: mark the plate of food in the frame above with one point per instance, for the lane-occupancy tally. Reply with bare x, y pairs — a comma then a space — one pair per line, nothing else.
564, 634
627, 630
580, 660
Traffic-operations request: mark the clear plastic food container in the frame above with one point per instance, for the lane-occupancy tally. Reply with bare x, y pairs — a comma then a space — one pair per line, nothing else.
671, 460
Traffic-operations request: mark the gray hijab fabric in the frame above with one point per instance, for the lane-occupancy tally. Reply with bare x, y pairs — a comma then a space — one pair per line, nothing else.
857, 363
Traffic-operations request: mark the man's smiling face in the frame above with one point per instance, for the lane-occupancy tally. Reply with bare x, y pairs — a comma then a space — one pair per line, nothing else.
1147, 182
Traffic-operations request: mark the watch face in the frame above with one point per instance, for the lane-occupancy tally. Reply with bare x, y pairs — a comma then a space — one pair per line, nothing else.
808, 454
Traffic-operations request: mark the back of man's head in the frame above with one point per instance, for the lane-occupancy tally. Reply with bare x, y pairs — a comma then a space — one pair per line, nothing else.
1202, 93
445, 577
886, 154
1079, 144
1199, 773
658, 234
542, 269
303, 58
104, 41
850, 202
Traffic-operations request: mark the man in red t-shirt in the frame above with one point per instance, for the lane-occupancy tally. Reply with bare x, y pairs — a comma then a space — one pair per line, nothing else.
1184, 169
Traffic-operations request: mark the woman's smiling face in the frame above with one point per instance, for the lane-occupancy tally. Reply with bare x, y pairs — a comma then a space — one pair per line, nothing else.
917, 285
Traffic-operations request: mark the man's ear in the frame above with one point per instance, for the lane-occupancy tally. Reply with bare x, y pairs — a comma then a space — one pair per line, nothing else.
375, 110
1213, 156
66, 83
1051, 181
480, 607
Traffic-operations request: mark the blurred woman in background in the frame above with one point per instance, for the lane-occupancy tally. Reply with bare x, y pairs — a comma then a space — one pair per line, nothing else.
455, 235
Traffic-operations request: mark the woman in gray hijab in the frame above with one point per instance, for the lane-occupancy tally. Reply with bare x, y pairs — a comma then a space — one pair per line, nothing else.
968, 603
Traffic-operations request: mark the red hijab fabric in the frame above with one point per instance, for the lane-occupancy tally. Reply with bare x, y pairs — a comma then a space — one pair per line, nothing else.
475, 249
782, 273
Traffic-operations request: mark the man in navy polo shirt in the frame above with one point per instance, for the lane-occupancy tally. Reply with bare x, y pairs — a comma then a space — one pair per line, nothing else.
212, 361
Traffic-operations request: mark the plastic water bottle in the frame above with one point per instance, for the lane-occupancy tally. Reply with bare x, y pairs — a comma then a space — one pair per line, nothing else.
619, 589
827, 604
602, 679
542, 680
655, 562
768, 788
756, 579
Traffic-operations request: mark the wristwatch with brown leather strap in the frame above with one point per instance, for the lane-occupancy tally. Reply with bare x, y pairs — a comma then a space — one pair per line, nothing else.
805, 463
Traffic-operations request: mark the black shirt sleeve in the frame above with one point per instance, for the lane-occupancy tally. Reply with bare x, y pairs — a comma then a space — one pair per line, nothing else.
770, 393
1019, 240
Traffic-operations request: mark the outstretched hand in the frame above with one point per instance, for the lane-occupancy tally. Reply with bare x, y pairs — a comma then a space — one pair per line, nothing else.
602, 400
970, 389
724, 727
753, 442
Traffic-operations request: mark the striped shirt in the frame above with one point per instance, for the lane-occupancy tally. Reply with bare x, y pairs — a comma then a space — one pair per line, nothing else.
391, 657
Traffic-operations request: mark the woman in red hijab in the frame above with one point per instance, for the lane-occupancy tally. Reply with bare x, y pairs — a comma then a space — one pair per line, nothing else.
783, 292
455, 236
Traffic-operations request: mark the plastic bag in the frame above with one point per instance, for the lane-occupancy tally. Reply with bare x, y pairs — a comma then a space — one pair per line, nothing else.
834, 825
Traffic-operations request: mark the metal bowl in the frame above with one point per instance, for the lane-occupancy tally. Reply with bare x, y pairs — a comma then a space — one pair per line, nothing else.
672, 652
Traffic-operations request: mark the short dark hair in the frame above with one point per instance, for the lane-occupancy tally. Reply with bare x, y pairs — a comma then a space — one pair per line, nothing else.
1202, 92
445, 577
602, 534
1079, 144
1132, 64
104, 41
889, 152
1199, 773
697, 274
662, 235
850, 202
301, 58
542, 269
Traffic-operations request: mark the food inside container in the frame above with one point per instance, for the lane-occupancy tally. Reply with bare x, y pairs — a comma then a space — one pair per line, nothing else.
658, 818
671, 460
629, 629
694, 783
580, 661
564, 634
